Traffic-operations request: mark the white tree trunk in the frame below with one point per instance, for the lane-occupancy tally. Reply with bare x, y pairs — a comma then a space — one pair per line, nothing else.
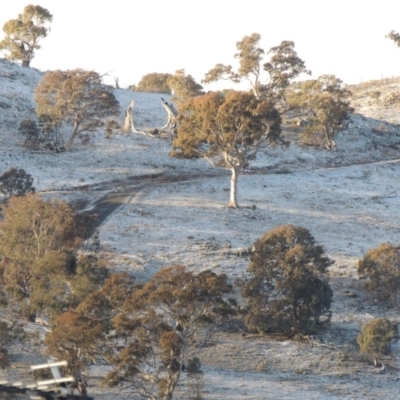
233, 195
68, 146
170, 125
129, 117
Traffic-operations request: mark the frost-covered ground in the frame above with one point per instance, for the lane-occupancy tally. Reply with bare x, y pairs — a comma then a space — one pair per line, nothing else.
349, 199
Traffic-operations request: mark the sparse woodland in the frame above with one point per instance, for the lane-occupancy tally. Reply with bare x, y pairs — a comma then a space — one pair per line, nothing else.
148, 334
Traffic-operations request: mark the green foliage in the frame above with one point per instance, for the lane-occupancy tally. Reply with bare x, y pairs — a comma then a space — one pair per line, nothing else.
16, 182
155, 82
183, 86
376, 336
36, 244
287, 292
76, 97
380, 267
24, 34
283, 67
227, 130
326, 104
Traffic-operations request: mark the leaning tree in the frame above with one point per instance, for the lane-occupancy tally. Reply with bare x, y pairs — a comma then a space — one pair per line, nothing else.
227, 130
75, 97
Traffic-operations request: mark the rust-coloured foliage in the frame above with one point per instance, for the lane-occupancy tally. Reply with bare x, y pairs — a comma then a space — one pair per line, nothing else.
227, 130
158, 323
76, 97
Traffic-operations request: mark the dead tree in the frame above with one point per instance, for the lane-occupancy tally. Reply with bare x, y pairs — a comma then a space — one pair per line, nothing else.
129, 117
170, 125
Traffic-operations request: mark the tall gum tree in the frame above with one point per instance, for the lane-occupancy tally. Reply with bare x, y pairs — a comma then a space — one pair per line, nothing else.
24, 34
284, 66
227, 130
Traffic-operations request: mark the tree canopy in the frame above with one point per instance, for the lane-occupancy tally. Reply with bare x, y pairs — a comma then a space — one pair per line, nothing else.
227, 130
183, 86
76, 97
36, 241
325, 102
376, 337
380, 268
15, 182
283, 67
144, 332
154, 82
24, 34
287, 292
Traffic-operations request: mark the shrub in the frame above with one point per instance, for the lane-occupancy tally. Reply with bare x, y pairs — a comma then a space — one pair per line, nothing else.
32, 133
376, 337
15, 182
287, 292
380, 267
29, 128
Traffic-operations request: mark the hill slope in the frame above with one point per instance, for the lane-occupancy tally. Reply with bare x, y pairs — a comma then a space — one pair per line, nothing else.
348, 198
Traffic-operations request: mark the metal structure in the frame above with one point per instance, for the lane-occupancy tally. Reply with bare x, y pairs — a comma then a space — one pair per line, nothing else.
45, 389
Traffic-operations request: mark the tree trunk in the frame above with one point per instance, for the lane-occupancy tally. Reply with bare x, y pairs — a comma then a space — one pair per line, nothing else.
171, 384
129, 117
171, 123
233, 195
68, 146
26, 63
330, 139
